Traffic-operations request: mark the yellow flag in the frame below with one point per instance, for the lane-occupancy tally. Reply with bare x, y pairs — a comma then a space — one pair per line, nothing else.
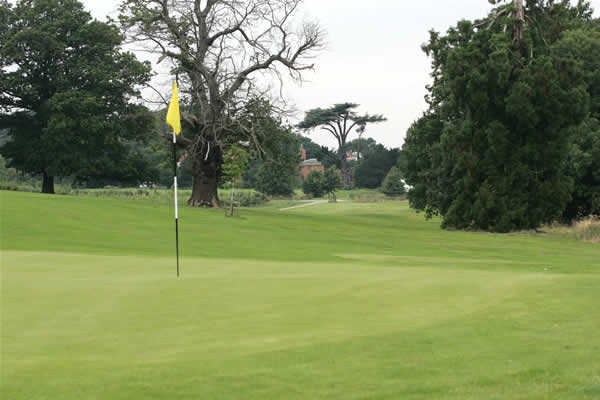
173, 116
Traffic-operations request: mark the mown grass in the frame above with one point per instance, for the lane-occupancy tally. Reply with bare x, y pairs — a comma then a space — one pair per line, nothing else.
336, 301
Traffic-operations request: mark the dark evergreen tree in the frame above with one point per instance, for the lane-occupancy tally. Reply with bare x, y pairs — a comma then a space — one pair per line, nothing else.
583, 166
371, 171
583, 163
490, 151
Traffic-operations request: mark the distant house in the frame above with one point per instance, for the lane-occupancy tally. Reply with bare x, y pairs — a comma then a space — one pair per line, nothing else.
353, 156
306, 166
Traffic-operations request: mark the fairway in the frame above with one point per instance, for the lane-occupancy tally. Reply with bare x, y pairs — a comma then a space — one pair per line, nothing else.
333, 301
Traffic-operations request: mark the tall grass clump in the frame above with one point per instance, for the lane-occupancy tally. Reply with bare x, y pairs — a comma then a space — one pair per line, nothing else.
588, 230
584, 230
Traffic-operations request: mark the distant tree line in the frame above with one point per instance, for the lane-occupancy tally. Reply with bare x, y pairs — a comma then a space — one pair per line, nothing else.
70, 96
70, 105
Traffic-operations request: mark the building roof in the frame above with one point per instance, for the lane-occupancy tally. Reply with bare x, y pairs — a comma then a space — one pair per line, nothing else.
311, 162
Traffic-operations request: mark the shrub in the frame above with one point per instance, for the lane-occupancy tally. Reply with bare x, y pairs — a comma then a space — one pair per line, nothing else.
332, 181
313, 185
393, 185
274, 178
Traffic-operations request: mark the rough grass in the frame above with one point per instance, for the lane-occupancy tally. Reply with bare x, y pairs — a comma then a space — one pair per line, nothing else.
586, 230
246, 197
336, 301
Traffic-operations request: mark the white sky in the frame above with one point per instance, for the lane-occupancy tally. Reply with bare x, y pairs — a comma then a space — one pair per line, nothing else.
373, 57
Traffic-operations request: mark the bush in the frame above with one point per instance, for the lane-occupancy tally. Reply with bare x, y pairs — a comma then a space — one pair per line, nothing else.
332, 181
313, 185
393, 185
274, 178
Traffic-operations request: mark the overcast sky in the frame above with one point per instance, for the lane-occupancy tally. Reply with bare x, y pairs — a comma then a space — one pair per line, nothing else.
373, 57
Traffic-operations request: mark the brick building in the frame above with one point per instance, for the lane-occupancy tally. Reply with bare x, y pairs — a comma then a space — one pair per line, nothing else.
306, 166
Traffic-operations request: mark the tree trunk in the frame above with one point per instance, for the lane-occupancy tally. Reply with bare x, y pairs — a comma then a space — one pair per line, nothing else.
232, 195
48, 184
519, 21
347, 174
204, 193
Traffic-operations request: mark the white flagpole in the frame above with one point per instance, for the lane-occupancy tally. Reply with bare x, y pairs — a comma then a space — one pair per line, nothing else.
175, 198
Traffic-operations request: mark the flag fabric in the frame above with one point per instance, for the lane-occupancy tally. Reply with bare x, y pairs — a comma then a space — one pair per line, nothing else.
173, 115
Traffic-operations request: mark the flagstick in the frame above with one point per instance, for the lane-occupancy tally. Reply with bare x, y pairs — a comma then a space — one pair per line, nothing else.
176, 205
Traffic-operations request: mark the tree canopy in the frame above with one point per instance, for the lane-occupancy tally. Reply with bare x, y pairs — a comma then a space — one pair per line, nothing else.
277, 168
491, 150
372, 170
66, 92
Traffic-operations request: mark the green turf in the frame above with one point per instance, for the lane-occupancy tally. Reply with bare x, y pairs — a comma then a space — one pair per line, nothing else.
336, 301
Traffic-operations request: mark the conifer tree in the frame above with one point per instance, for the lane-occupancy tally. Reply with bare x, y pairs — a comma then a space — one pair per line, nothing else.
491, 150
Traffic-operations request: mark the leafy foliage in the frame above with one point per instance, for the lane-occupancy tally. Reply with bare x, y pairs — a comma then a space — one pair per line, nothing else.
235, 162
583, 160
66, 98
273, 170
371, 171
364, 146
393, 185
276, 178
490, 151
332, 181
583, 167
319, 183
313, 185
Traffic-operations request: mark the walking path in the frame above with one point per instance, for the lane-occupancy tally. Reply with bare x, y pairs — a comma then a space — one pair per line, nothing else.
308, 203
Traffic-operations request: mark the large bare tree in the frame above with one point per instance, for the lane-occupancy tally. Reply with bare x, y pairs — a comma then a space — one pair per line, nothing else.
223, 52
